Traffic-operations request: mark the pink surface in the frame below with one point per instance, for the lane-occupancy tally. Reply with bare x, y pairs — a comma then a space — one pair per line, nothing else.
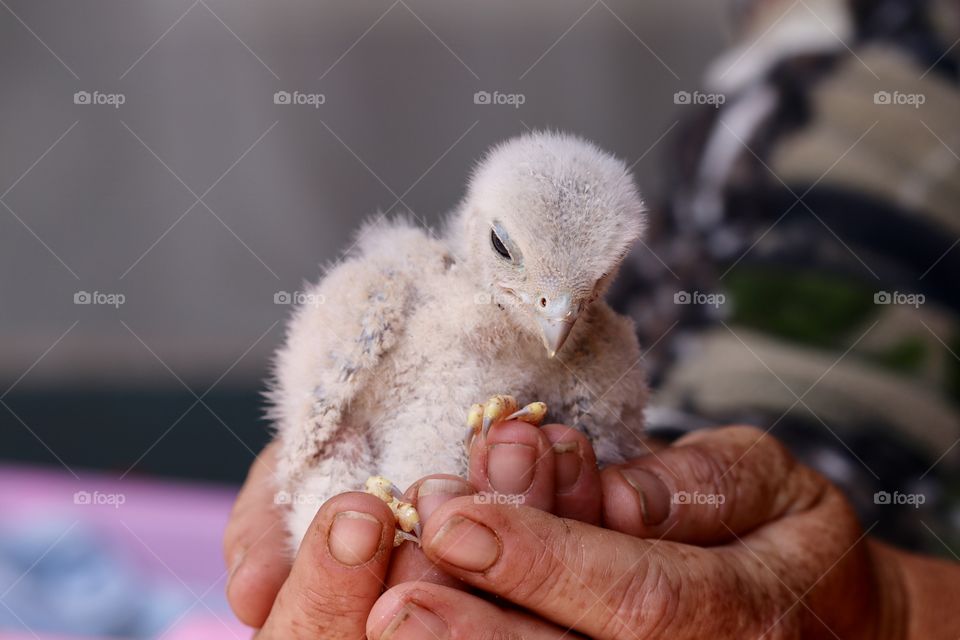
169, 531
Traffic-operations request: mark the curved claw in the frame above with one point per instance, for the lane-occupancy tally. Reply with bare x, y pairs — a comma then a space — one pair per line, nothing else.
404, 513
533, 413
496, 409
500, 408
400, 535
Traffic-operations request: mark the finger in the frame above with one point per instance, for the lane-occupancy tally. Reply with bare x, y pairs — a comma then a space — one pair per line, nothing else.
338, 572
514, 460
602, 583
430, 611
255, 544
576, 477
708, 488
408, 563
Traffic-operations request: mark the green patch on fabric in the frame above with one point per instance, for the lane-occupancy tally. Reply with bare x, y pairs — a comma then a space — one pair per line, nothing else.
907, 356
814, 309
953, 377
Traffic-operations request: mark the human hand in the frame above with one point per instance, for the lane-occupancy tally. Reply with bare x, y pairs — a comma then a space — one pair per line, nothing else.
759, 546
315, 591
338, 571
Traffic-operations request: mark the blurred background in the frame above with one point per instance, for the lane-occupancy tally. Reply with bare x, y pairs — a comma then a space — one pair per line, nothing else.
173, 172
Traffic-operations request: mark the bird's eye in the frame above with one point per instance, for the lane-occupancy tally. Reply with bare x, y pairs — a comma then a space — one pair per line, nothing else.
498, 245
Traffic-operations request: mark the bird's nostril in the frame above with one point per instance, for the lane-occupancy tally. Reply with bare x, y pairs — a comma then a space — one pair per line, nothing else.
543, 302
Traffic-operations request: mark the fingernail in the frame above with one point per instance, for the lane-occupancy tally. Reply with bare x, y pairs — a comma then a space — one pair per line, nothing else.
510, 467
654, 496
466, 544
354, 537
433, 492
567, 466
415, 623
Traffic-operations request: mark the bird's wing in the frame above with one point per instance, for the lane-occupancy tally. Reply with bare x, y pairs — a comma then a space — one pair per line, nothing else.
338, 338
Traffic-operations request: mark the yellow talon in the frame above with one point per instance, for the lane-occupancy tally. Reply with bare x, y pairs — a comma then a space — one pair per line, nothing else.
403, 512
380, 487
407, 516
533, 413
496, 409
501, 408
475, 418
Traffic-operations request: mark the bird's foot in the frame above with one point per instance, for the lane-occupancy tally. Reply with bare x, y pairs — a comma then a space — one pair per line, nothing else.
501, 408
408, 520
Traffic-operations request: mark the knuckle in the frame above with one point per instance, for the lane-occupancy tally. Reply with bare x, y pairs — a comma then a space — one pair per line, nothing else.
756, 445
702, 466
643, 604
539, 572
314, 607
764, 596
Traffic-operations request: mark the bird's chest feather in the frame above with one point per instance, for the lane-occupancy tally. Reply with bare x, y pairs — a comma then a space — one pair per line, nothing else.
458, 349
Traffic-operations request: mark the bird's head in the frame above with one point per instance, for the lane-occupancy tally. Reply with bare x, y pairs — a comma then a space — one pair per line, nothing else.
546, 221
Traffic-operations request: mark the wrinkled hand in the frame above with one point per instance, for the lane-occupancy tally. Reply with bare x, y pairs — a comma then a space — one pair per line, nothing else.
347, 556
722, 535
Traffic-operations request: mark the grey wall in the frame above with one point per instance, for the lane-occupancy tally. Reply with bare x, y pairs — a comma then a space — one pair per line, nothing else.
89, 207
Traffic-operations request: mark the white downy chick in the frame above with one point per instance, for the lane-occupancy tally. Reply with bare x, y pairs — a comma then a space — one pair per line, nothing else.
397, 341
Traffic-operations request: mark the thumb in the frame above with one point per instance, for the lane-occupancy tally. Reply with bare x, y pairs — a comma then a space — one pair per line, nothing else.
709, 487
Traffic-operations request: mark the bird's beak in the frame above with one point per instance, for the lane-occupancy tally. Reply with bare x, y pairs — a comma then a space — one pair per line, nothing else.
555, 332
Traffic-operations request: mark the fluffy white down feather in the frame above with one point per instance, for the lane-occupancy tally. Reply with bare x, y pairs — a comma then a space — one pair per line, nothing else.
397, 341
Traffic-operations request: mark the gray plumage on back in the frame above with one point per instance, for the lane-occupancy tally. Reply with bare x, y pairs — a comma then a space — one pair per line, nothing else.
397, 341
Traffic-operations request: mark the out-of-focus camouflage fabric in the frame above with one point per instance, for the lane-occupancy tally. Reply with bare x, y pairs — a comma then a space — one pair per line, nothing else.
802, 271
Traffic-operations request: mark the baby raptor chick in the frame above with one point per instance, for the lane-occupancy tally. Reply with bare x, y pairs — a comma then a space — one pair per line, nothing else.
414, 329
